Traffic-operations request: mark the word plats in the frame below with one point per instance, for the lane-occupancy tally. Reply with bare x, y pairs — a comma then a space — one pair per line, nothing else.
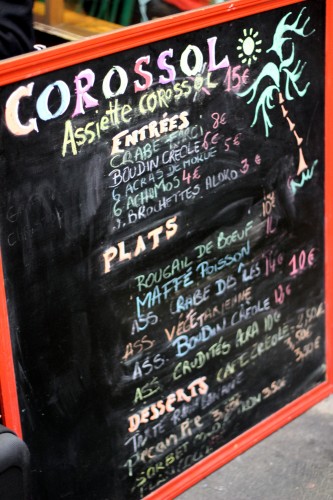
120, 253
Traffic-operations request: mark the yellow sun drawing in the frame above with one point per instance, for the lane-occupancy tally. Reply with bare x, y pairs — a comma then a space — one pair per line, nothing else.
249, 46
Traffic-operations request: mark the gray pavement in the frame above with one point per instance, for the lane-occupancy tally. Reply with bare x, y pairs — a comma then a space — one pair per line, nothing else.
294, 463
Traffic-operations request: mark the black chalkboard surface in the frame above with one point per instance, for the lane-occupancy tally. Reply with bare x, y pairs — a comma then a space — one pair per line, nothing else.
162, 241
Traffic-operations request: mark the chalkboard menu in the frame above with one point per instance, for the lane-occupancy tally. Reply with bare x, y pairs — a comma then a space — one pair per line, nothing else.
162, 241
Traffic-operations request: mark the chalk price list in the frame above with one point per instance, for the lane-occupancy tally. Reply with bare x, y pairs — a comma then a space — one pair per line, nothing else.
205, 320
214, 318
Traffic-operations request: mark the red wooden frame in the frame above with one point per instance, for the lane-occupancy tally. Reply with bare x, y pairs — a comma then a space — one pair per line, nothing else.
65, 55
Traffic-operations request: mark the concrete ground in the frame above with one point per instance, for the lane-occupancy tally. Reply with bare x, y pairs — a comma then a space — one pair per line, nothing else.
294, 463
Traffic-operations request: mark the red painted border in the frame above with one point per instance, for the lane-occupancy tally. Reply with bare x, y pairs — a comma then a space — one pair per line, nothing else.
26, 67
